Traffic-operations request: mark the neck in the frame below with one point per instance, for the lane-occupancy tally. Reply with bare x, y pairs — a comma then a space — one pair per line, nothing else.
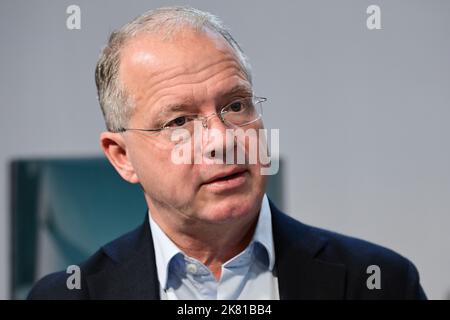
213, 244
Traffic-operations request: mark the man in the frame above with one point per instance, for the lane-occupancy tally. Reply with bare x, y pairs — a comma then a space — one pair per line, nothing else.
210, 231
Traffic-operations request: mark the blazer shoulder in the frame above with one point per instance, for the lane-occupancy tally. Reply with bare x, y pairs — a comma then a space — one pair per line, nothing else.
399, 276
349, 248
335, 247
361, 258
54, 286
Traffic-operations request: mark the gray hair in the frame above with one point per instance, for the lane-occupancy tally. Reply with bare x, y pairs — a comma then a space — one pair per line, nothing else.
117, 106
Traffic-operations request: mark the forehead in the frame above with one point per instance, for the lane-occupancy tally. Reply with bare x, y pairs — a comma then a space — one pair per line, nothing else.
189, 63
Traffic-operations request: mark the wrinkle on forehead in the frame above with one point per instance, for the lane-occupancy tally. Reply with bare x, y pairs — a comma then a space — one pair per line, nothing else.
151, 67
179, 77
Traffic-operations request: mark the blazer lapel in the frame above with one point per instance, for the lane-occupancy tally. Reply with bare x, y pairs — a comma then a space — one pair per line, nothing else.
301, 274
132, 276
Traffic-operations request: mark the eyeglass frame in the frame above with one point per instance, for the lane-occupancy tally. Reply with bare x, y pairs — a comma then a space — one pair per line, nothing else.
203, 119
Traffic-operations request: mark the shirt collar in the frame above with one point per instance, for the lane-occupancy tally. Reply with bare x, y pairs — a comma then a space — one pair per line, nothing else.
166, 250
263, 231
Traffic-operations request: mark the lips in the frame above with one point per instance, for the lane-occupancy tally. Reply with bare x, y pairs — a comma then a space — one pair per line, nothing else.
226, 182
224, 176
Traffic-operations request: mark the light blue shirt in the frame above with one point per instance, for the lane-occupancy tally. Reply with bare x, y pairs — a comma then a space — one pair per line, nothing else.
249, 275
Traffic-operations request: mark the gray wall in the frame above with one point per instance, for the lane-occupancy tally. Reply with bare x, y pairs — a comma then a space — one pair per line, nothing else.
363, 114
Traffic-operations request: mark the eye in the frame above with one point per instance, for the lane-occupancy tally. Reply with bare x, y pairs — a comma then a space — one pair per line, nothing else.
177, 122
236, 106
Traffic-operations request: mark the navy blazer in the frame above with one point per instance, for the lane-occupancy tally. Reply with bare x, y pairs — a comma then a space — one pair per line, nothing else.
311, 263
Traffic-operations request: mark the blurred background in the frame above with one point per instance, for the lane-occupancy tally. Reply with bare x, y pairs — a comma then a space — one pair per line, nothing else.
363, 118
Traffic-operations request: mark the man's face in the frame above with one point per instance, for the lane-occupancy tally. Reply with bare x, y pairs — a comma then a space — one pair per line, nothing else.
198, 72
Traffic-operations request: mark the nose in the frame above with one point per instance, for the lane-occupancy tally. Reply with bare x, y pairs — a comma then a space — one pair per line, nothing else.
215, 144
206, 119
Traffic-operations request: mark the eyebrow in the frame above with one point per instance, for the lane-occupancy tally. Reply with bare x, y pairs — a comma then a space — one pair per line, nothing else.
177, 107
239, 88
167, 109
174, 107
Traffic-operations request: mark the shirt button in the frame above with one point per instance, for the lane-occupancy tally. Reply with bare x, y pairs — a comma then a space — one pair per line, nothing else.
191, 268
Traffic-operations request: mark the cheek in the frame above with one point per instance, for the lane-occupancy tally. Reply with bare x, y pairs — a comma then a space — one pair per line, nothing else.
160, 177
258, 180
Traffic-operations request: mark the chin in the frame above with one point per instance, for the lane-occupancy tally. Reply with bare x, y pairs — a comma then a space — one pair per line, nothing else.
230, 208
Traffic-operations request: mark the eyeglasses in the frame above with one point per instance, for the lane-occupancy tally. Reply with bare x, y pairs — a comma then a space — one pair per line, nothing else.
239, 113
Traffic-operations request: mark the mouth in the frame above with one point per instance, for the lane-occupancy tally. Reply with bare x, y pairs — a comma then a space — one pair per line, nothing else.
227, 180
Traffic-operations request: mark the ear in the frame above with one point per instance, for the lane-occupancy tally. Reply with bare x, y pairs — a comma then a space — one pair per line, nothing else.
114, 147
